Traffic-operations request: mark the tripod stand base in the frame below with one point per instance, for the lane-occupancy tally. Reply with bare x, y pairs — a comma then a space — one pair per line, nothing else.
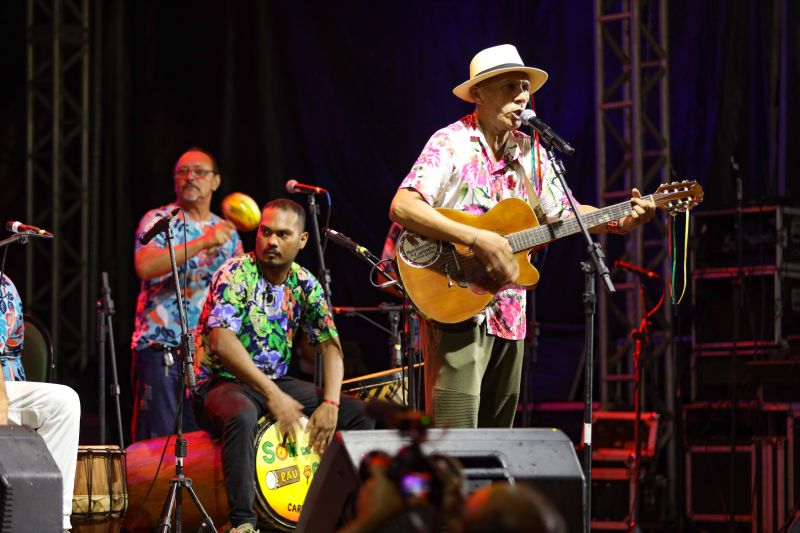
175, 499
204, 463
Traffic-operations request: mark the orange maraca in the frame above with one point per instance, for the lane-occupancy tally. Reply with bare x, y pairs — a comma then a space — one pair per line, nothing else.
242, 210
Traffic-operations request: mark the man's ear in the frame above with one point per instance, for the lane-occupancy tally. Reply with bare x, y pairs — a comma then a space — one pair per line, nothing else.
475, 94
303, 239
216, 182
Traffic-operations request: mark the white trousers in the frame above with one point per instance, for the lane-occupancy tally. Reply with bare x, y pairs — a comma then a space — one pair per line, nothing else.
54, 411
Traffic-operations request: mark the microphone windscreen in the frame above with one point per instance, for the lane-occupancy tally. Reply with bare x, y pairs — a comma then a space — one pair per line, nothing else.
527, 114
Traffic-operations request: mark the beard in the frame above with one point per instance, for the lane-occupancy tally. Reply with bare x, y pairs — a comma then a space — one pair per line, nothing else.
190, 194
271, 261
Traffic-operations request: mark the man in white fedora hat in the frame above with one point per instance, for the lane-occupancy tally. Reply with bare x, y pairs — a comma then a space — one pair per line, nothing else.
473, 369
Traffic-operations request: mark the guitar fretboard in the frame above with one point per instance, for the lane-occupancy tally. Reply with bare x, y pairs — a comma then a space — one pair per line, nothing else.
530, 238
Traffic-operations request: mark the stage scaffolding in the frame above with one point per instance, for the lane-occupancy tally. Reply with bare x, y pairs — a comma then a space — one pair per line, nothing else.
632, 136
58, 284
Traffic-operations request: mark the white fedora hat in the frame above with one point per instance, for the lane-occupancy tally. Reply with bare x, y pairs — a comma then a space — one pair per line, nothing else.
497, 60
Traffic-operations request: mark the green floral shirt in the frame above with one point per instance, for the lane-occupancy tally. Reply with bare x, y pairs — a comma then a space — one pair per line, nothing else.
264, 317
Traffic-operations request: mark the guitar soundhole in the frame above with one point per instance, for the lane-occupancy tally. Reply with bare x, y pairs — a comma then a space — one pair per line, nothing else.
418, 251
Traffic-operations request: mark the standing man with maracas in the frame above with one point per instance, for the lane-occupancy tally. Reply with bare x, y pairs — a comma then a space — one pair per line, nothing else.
203, 241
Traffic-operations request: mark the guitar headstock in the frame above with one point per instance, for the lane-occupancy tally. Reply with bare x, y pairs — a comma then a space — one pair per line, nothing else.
678, 196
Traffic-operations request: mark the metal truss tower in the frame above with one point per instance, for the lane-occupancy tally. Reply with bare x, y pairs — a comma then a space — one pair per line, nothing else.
632, 136
57, 173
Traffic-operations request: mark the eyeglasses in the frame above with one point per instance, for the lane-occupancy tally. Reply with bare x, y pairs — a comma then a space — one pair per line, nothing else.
199, 173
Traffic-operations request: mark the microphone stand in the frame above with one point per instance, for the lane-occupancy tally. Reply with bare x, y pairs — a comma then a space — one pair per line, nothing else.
641, 337
590, 268
531, 349
21, 238
324, 276
105, 328
404, 339
392, 311
174, 501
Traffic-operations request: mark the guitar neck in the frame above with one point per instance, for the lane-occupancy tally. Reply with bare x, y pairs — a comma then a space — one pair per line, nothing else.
540, 235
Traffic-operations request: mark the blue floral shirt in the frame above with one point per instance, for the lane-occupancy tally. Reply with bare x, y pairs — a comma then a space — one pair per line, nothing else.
12, 331
264, 317
157, 317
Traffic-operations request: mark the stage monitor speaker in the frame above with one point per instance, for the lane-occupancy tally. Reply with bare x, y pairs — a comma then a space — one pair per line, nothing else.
543, 458
30, 483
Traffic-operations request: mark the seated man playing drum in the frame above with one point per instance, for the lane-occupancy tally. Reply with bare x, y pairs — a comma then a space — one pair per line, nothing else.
254, 306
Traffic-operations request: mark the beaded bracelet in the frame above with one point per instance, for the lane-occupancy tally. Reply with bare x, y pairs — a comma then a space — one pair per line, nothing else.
335, 404
613, 227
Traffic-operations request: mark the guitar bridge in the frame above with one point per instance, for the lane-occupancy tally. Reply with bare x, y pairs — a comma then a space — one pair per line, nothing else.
452, 269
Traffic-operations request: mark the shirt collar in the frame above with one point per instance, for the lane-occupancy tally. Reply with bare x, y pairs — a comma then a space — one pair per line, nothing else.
511, 151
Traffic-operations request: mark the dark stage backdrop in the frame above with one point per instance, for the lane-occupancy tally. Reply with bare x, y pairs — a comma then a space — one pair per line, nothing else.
345, 94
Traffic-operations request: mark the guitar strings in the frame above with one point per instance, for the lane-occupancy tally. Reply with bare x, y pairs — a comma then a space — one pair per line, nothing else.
540, 235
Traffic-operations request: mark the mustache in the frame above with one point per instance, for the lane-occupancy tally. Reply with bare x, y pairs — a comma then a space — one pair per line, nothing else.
271, 249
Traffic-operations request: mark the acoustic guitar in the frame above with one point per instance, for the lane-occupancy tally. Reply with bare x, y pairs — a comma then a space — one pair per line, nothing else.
448, 284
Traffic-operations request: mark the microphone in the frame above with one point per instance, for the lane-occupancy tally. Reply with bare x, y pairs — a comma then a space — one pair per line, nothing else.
15, 226
529, 117
160, 225
294, 187
649, 274
343, 240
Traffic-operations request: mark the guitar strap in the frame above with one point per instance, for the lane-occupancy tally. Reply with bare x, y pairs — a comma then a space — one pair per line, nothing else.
533, 198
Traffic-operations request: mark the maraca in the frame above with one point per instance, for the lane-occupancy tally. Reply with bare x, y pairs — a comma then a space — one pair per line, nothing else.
242, 210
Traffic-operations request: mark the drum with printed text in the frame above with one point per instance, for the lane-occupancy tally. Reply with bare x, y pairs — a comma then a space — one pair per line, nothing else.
285, 467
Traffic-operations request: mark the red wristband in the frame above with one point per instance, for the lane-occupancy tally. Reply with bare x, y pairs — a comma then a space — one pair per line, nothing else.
335, 404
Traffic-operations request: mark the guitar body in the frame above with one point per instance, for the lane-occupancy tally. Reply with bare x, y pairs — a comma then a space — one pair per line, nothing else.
448, 284
445, 281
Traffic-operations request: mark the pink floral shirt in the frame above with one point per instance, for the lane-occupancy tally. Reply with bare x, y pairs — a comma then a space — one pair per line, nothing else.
456, 171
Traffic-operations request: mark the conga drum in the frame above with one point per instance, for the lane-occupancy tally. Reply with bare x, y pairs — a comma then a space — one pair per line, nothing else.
100, 496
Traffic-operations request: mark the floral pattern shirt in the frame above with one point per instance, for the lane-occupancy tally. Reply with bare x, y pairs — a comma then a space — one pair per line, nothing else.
157, 317
455, 170
12, 331
264, 317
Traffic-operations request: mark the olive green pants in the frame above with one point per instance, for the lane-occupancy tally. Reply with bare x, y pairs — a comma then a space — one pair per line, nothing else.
472, 378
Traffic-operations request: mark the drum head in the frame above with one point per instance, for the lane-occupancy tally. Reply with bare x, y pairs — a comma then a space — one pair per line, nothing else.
284, 471
100, 487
